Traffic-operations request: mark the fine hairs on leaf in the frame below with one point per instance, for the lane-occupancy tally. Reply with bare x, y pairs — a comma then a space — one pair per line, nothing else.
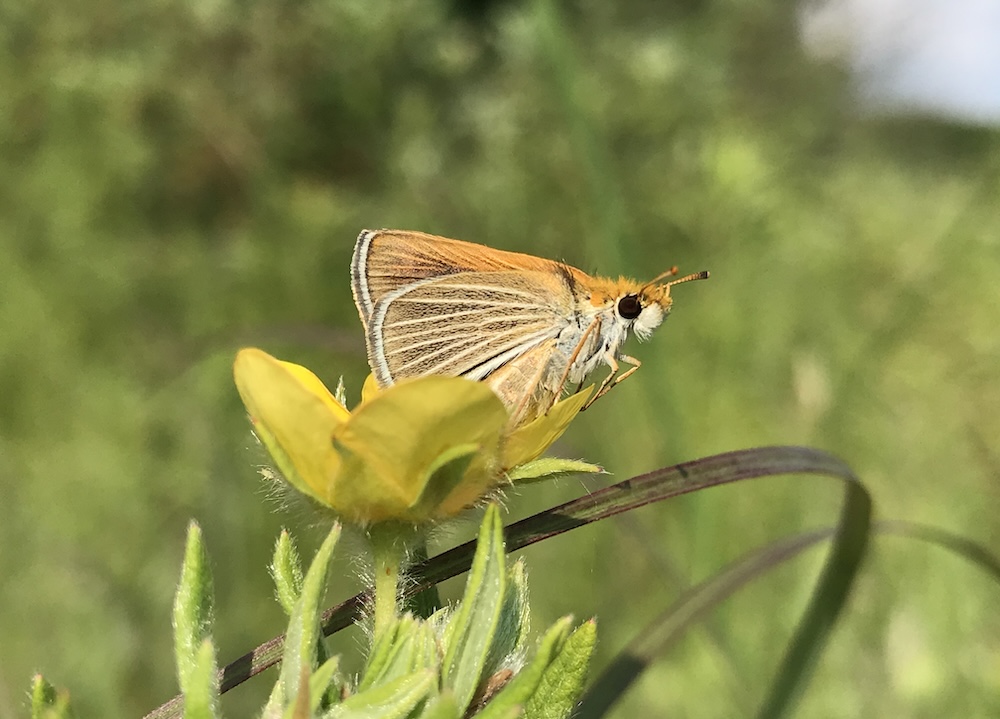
286, 572
562, 681
300, 655
201, 696
470, 632
193, 609
524, 686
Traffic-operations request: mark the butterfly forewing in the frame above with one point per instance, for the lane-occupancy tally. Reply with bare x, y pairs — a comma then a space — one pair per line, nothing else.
388, 260
467, 324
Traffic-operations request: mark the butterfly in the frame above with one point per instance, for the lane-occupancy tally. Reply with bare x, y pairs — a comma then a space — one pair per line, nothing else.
525, 325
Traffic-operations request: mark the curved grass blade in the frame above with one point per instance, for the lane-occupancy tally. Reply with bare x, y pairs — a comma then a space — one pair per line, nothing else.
956, 544
657, 638
660, 635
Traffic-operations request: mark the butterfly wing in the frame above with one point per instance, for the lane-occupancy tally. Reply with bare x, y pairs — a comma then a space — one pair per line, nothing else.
468, 324
522, 383
387, 260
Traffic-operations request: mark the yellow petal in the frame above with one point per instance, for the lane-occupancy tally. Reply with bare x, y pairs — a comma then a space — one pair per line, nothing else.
370, 389
394, 443
295, 416
315, 385
528, 441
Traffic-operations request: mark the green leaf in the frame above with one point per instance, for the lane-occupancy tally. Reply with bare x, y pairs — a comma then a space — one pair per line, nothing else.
525, 684
512, 629
393, 700
545, 468
471, 630
201, 696
47, 702
286, 571
443, 706
43, 695
407, 646
426, 650
300, 708
563, 680
322, 683
300, 652
380, 655
193, 606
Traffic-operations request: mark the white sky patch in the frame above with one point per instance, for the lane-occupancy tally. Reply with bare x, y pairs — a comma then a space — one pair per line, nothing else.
939, 57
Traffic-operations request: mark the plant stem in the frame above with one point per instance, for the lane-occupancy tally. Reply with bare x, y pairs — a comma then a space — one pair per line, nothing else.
388, 550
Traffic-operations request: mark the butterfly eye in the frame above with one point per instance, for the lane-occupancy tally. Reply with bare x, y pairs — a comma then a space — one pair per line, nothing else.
629, 307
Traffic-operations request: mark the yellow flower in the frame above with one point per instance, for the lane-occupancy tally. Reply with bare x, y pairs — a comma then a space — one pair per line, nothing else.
420, 450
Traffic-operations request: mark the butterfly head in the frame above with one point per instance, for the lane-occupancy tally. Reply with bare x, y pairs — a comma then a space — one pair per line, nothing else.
643, 308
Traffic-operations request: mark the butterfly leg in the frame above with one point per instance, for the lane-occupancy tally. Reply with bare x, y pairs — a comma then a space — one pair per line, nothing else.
612, 380
591, 328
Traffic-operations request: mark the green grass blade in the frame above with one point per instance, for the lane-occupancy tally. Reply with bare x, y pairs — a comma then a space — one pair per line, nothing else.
966, 548
662, 633
828, 600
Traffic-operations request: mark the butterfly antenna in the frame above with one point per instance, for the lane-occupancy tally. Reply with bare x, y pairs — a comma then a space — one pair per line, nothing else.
703, 275
669, 273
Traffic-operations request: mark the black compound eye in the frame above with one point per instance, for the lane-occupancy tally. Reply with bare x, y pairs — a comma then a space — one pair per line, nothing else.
629, 307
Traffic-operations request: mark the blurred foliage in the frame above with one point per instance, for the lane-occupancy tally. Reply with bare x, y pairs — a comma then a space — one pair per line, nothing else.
183, 178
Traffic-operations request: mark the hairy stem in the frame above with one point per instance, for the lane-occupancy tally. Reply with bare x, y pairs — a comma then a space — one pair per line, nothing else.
389, 551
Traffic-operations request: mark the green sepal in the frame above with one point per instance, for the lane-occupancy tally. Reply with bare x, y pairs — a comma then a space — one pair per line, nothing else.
201, 695
47, 702
523, 686
471, 630
286, 571
302, 638
193, 606
393, 700
446, 473
512, 629
562, 683
539, 470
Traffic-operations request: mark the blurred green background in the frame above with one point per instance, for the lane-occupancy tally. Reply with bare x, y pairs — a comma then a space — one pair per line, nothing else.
180, 179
